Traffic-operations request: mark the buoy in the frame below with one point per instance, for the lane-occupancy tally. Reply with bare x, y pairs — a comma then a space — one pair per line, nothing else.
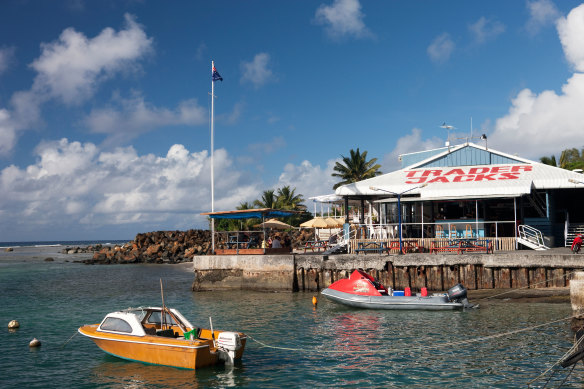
35, 343
13, 324
314, 301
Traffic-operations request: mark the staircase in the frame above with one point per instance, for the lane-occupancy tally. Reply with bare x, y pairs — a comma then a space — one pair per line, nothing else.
342, 246
571, 231
538, 203
531, 237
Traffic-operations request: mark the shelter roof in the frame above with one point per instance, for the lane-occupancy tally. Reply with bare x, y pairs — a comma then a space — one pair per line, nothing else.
437, 178
250, 213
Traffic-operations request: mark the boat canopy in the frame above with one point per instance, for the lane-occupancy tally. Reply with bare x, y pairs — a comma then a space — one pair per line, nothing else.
250, 213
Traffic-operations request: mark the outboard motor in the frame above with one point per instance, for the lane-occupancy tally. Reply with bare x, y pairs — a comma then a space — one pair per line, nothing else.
227, 345
458, 294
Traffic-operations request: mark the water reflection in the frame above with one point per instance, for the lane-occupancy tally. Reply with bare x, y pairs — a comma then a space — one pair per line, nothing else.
118, 373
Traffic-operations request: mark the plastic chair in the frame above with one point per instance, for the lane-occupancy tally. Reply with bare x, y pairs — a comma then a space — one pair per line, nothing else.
468, 231
452, 231
440, 232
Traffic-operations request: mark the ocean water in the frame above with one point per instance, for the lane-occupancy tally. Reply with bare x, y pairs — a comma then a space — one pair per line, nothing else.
64, 243
301, 346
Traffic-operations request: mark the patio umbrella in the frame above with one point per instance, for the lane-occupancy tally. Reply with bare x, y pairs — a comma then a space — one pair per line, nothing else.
317, 222
274, 223
333, 223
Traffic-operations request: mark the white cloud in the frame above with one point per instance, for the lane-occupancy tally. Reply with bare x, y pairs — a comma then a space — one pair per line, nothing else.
131, 117
343, 18
7, 132
441, 48
74, 185
408, 143
485, 29
541, 13
71, 67
309, 180
257, 71
6, 58
571, 31
543, 124
548, 122
270, 147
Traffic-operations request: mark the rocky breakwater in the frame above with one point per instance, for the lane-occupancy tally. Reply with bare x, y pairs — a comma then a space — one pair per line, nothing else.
167, 247
155, 247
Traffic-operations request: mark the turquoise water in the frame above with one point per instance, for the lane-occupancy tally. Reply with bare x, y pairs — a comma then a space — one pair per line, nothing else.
330, 346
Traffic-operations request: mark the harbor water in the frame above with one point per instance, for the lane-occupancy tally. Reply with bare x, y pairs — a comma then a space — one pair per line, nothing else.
504, 344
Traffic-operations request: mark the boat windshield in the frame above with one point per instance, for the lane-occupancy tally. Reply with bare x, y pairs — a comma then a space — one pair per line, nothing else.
155, 316
115, 324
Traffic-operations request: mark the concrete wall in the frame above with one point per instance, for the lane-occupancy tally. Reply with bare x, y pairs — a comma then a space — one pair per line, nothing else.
435, 272
250, 272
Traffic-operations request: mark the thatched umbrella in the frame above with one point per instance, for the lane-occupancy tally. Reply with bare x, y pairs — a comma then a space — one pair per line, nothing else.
274, 223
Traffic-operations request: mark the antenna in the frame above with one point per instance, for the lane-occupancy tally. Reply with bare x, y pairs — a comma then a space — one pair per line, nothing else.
448, 127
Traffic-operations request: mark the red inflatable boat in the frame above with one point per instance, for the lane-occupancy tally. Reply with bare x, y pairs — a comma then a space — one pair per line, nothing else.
363, 291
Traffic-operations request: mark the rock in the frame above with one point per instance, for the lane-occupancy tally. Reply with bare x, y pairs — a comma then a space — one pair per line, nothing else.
13, 324
35, 343
49, 259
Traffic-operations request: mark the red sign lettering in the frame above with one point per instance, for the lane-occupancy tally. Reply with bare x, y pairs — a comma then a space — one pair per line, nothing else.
466, 174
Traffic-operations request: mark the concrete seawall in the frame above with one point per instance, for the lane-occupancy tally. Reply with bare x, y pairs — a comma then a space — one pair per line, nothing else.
437, 272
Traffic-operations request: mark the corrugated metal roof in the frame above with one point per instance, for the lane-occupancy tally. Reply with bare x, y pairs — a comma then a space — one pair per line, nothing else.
464, 181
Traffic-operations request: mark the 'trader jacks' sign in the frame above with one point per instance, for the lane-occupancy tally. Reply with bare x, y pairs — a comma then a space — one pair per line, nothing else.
476, 174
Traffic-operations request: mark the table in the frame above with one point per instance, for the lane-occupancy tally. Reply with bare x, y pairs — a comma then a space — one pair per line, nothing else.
365, 247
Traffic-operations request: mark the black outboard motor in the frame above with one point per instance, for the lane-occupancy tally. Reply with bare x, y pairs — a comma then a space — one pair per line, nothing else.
458, 294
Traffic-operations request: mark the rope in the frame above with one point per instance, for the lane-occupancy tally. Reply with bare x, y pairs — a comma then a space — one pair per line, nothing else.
526, 287
417, 348
64, 344
570, 351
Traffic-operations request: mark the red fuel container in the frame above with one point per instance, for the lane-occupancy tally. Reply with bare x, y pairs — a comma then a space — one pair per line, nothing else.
407, 292
424, 292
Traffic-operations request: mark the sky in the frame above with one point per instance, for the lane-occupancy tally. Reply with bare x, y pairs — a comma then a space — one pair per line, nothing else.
105, 105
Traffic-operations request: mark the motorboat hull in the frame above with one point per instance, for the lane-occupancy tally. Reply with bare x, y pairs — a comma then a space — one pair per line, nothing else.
434, 303
363, 291
162, 336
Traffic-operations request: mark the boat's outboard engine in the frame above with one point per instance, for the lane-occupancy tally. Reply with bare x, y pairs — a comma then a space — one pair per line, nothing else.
458, 294
227, 344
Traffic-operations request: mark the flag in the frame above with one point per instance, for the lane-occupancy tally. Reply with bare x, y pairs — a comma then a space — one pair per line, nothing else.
216, 75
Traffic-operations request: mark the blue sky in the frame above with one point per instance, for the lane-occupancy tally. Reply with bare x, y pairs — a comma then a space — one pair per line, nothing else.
104, 105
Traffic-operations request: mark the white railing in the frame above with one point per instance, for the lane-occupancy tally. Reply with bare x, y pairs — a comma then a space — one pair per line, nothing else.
531, 237
491, 229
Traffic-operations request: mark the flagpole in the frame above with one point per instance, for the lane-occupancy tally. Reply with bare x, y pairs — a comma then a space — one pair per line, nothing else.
212, 164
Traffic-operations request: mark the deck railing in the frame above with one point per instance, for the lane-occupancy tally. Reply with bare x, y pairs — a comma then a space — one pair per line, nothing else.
499, 244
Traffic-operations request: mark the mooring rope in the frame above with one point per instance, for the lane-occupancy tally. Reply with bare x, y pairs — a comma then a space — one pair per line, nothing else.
570, 351
64, 344
412, 348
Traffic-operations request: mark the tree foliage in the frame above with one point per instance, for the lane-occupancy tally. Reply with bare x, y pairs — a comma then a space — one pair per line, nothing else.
570, 159
355, 168
281, 198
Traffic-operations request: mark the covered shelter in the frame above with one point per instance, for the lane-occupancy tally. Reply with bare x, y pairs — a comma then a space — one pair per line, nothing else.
470, 190
238, 242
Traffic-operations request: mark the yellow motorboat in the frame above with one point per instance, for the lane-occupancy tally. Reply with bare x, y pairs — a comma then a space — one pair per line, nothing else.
163, 336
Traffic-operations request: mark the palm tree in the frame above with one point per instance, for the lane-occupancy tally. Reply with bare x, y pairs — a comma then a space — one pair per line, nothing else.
268, 200
355, 168
287, 199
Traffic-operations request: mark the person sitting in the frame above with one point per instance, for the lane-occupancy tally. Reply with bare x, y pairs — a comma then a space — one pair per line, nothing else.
276, 243
333, 239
